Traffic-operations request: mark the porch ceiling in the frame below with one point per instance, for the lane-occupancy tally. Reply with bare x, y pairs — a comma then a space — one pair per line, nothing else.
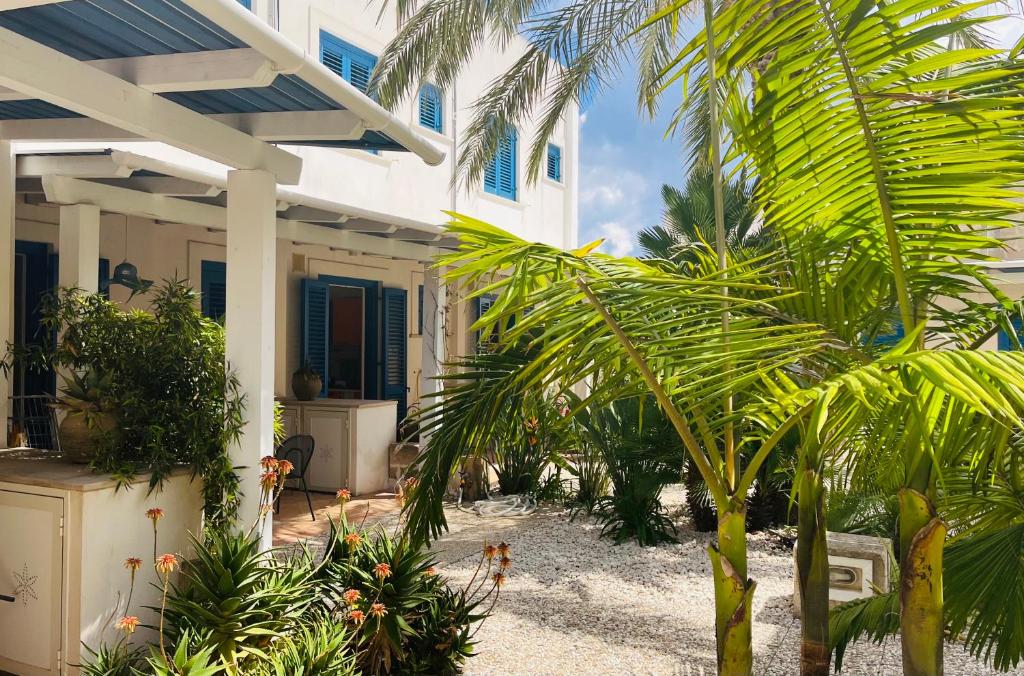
212, 58
125, 182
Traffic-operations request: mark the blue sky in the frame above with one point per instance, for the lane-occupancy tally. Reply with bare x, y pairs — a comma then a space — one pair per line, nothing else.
625, 158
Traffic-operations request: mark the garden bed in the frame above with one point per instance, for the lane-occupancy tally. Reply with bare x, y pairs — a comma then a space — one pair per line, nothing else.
576, 604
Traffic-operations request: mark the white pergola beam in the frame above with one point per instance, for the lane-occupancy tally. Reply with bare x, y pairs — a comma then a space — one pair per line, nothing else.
299, 126
84, 166
21, 4
41, 72
171, 186
191, 71
65, 190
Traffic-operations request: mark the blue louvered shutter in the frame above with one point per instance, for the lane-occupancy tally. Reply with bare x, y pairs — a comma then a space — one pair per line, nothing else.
104, 281
483, 304
395, 348
500, 173
351, 63
554, 162
214, 289
246, 3
419, 311
1004, 338
315, 312
431, 108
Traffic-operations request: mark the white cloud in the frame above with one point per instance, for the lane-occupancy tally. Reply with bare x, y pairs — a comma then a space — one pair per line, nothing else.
618, 238
583, 119
601, 195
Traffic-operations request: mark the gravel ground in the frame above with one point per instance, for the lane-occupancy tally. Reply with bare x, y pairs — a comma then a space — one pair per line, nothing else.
576, 604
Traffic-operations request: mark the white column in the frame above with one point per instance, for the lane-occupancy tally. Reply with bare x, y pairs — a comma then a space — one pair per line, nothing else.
434, 303
7, 177
251, 253
78, 246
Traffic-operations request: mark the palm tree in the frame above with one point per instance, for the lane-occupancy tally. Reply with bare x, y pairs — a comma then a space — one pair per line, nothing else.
854, 119
854, 126
689, 220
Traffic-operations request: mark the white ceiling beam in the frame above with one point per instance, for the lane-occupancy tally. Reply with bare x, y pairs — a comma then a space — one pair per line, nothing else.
45, 73
412, 235
66, 190
21, 4
367, 226
84, 166
170, 186
300, 212
320, 125
187, 72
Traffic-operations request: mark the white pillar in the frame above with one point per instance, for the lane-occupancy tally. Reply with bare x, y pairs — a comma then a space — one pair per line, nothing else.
251, 253
7, 176
78, 246
434, 303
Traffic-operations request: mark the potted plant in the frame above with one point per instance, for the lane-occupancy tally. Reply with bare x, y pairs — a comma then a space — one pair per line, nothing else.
306, 383
89, 418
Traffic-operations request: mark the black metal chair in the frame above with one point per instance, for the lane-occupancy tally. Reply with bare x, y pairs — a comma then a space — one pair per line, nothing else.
298, 450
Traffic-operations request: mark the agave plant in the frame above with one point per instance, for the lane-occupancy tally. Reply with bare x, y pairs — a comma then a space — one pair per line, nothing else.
235, 600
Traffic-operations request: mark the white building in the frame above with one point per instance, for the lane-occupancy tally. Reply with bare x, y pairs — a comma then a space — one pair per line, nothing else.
343, 191
231, 145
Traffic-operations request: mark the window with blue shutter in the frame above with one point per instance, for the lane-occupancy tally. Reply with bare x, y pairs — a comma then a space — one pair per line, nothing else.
315, 305
351, 63
554, 162
1004, 341
246, 3
419, 311
431, 108
395, 349
500, 173
483, 304
213, 289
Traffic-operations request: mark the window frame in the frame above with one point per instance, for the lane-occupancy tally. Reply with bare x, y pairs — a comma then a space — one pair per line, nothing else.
557, 157
504, 168
430, 90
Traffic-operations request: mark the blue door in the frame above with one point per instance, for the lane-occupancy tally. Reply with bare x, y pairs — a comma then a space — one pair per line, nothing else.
395, 348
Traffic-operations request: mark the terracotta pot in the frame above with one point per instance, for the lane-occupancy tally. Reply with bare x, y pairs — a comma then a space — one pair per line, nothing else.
78, 441
306, 384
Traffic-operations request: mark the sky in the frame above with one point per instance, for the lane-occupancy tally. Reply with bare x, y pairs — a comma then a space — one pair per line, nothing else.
625, 158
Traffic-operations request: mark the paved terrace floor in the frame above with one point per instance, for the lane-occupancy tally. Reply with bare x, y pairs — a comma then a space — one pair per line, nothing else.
292, 522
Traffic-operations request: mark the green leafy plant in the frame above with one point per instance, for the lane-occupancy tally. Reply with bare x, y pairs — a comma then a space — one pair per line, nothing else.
163, 375
320, 646
119, 659
642, 457
186, 660
237, 598
405, 617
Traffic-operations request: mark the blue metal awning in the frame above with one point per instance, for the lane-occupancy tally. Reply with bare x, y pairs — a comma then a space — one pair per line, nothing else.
90, 30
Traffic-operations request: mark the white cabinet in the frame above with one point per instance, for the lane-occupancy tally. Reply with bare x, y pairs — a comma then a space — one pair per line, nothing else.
31, 575
353, 438
329, 466
64, 535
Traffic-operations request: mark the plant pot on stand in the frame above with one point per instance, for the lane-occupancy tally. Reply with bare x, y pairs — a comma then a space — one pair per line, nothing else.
306, 384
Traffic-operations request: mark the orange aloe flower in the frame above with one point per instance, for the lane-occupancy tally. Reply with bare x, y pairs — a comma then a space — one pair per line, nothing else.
357, 616
504, 549
284, 468
490, 551
154, 514
268, 480
127, 624
430, 572
378, 610
351, 596
343, 495
353, 539
166, 564
505, 563
499, 579
268, 462
382, 570
132, 563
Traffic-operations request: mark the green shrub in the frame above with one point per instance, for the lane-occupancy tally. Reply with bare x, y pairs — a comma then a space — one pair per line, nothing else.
237, 599
174, 401
319, 647
406, 618
642, 455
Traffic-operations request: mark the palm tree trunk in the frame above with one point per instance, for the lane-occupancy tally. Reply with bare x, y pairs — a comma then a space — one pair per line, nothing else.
734, 592
922, 535
813, 575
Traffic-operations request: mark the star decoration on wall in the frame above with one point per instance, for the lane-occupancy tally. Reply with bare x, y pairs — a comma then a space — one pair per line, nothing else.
25, 585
